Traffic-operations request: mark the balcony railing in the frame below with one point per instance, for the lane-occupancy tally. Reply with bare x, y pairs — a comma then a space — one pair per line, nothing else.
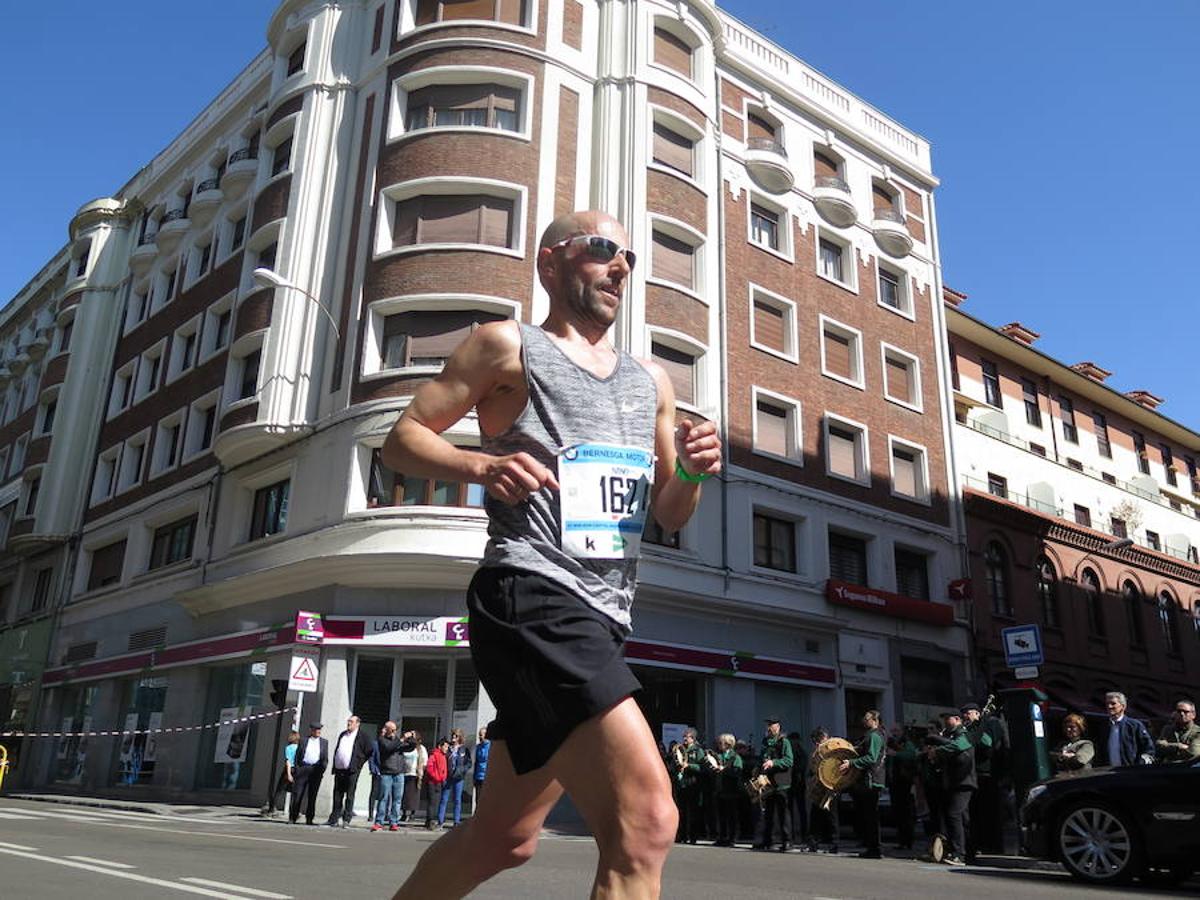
210, 184
1029, 502
245, 153
771, 145
887, 214
173, 216
833, 182
147, 239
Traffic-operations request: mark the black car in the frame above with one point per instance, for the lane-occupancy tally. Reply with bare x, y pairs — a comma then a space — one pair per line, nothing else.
1108, 825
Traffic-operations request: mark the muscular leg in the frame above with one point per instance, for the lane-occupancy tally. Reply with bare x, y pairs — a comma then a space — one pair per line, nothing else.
611, 770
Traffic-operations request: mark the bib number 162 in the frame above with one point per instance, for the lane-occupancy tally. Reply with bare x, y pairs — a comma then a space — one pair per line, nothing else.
623, 496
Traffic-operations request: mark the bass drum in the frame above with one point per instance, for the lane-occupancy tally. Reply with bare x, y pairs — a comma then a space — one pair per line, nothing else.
831, 753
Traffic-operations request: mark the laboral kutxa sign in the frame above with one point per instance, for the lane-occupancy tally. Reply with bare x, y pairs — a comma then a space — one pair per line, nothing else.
397, 631
856, 596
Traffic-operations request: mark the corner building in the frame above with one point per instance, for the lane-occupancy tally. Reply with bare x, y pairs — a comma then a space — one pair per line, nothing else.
397, 162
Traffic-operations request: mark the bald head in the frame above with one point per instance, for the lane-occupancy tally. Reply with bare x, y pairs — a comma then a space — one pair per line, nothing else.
587, 221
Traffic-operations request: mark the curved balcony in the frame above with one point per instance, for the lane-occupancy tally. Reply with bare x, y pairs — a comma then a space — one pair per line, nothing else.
767, 163
206, 201
144, 254
19, 363
38, 346
834, 201
242, 169
891, 233
171, 230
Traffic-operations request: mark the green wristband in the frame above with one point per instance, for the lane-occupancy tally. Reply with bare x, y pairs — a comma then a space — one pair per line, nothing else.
684, 475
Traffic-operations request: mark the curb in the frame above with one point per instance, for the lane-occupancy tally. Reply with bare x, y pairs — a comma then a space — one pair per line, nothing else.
161, 809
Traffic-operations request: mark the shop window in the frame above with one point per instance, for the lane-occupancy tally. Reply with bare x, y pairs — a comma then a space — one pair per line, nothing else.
75, 712
225, 757
373, 692
424, 679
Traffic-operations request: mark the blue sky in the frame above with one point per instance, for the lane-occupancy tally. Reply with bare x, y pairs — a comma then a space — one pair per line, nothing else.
1064, 135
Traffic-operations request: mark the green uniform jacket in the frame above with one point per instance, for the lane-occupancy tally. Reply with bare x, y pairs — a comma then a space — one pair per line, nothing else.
779, 750
729, 779
981, 739
689, 776
1190, 737
872, 758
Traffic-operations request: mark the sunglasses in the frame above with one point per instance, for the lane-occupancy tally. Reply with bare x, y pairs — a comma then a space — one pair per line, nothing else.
599, 248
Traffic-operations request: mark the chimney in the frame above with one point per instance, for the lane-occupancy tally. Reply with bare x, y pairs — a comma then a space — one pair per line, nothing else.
1145, 398
1019, 333
952, 297
1091, 370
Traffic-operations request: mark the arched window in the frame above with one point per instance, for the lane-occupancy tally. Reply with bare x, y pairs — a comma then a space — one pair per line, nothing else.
1133, 613
1090, 583
996, 566
1047, 590
1167, 608
1196, 618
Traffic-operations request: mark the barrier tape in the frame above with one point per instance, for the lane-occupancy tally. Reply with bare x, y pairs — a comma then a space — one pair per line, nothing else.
176, 730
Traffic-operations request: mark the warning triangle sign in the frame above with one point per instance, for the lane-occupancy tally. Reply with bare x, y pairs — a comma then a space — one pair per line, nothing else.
306, 671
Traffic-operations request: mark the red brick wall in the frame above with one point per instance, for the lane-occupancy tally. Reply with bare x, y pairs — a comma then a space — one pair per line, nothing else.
572, 31
568, 130
669, 308
272, 201
254, 312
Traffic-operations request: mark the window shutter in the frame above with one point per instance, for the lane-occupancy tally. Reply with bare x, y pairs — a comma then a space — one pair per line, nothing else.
772, 429
673, 259
824, 165
468, 9
768, 326
672, 52
511, 12
882, 199
404, 229
758, 127
837, 354
106, 565
427, 11
904, 472
841, 453
680, 368
847, 559
449, 220
496, 222
898, 383
434, 335
672, 149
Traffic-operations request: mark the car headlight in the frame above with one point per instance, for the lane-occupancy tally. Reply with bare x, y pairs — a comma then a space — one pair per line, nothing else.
1034, 792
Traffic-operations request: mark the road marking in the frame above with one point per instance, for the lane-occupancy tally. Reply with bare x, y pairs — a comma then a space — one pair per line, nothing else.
17, 816
102, 862
129, 876
109, 823
249, 892
18, 847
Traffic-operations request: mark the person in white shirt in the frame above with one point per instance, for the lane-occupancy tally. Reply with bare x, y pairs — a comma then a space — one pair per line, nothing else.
350, 754
312, 758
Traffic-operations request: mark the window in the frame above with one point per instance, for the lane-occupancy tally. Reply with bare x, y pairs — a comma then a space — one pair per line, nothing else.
81, 266
131, 462
991, 385
201, 257
33, 488
760, 129
1193, 476
267, 255
893, 291
883, 200
1168, 462
1033, 410
167, 444
172, 543
1118, 527
64, 336
764, 227
954, 379
776, 426
248, 377
1139, 449
1037, 449
774, 543
654, 533
680, 367
773, 324
201, 425
107, 563
169, 290
106, 475
995, 563
841, 352
269, 513
672, 51
845, 448
295, 61
1132, 598
673, 150
388, 488
41, 589
1089, 583
825, 166
831, 264
1100, 426
1083, 516
1168, 620
464, 106
1108, 477
909, 478
1047, 591
912, 574
510, 12
220, 331
48, 411
848, 558
1074, 464
901, 377
427, 337
1066, 411
453, 219
1153, 540
149, 372
997, 485
281, 157
139, 305
238, 235
673, 260
183, 350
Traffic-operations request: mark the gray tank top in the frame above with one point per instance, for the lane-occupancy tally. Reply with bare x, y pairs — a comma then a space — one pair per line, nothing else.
597, 436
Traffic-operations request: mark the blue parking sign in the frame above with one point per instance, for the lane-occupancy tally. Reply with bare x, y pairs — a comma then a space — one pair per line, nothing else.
1023, 646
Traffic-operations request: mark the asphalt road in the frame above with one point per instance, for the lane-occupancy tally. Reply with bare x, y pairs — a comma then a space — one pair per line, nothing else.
57, 851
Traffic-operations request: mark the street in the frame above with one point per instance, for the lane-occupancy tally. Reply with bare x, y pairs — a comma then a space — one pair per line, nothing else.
56, 851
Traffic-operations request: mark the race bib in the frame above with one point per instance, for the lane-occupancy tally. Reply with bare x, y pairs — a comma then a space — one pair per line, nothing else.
605, 494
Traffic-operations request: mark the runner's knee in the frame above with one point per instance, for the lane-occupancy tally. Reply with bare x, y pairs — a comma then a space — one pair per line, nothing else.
639, 838
495, 853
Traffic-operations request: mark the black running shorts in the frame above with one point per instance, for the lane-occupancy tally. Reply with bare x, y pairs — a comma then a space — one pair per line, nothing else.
547, 659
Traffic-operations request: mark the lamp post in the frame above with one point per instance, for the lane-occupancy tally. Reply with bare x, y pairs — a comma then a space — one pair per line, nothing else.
269, 279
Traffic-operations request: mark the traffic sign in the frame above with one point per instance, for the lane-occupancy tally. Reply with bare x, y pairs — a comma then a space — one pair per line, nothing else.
304, 670
1023, 646
1025, 673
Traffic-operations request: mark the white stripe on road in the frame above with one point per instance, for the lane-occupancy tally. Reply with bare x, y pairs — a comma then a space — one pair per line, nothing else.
109, 823
17, 847
130, 876
249, 892
102, 862
17, 816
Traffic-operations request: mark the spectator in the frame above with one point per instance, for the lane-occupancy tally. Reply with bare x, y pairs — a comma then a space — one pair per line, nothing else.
1180, 738
414, 774
312, 759
391, 751
729, 790
871, 761
483, 747
458, 765
373, 768
1075, 752
954, 758
1129, 743
351, 752
286, 778
435, 779
902, 756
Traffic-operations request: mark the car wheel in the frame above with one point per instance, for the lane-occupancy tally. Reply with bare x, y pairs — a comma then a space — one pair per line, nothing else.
1096, 844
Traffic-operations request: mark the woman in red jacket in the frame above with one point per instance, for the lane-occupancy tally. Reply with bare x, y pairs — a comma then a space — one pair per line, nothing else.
436, 771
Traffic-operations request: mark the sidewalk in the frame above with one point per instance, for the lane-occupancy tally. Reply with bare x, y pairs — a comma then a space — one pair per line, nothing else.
174, 810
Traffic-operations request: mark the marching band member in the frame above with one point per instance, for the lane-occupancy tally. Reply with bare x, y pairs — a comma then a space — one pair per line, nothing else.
729, 790
871, 760
776, 765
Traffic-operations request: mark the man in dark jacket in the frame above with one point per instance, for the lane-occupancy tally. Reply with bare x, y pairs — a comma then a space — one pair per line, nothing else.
902, 768
870, 762
989, 737
350, 754
954, 756
312, 758
691, 788
777, 766
390, 751
1128, 743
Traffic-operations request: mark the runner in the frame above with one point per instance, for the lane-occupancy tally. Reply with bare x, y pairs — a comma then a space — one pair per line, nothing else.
577, 437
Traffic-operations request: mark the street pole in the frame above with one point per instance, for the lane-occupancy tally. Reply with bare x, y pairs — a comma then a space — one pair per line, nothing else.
279, 697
